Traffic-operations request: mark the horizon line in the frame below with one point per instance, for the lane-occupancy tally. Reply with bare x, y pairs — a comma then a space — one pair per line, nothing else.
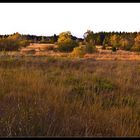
79, 36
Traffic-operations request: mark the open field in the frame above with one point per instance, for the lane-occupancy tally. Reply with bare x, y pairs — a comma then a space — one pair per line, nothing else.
46, 50
69, 70
48, 96
118, 55
104, 55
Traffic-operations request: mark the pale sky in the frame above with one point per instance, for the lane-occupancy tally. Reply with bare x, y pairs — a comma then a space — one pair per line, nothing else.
54, 18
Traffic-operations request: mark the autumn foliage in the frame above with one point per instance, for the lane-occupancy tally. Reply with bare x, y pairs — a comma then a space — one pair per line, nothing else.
13, 42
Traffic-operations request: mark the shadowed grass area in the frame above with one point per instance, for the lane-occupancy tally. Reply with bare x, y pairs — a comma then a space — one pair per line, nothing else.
47, 96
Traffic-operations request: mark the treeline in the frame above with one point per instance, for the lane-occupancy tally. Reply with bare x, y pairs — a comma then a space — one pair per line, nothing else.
129, 41
33, 38
38, 39
15, 41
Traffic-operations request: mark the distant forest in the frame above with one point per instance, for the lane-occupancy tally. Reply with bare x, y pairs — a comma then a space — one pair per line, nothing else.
41, 39
129, 41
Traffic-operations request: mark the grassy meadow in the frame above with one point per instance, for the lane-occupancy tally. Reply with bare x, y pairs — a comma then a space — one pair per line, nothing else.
48, 96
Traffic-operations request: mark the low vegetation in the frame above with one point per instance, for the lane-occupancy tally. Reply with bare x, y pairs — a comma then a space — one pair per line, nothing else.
82, 50
13, 43
79, 51
48, 96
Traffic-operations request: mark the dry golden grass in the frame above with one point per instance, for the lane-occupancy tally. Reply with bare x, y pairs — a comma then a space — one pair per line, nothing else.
109, 55
48, 50
47, 96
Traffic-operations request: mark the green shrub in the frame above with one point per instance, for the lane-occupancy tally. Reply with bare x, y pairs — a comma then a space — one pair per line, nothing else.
90, 48
8, 45
67, 46
24, 43
114, 49
13, 42
65, 42
83, 49
79, 51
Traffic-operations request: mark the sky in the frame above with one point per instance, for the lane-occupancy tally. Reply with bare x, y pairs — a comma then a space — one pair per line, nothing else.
54, 18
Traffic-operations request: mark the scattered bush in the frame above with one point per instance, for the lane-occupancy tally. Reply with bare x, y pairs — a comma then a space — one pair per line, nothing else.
79, 51
65, 42
83, 49
13, 43
8, 45
67, 46
90, 48
114, 49
24, 43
